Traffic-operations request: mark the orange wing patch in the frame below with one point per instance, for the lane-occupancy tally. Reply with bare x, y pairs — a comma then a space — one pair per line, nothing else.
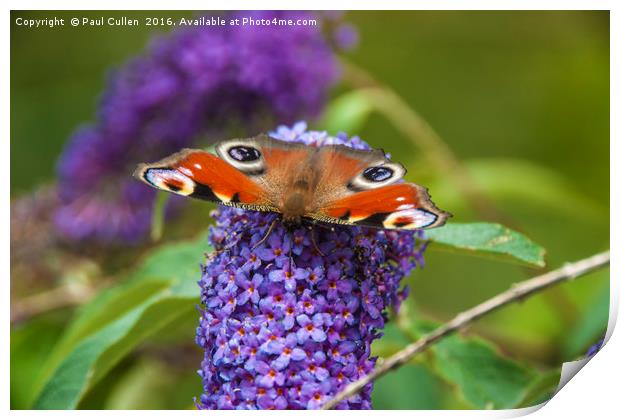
224, 181
339, 168
199, 174
360, 205
276, 157
398, 206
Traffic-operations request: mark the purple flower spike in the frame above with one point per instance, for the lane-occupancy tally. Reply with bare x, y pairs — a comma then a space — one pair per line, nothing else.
192, 84
285, 326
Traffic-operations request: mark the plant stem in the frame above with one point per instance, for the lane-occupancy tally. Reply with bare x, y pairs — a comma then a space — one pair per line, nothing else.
518, 292
421, 134
157, 220
60, 297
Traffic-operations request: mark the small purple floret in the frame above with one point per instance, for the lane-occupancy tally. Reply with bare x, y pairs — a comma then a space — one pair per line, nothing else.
285, 327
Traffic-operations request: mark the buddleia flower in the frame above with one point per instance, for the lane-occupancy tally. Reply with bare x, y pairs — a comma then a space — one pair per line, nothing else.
288, 322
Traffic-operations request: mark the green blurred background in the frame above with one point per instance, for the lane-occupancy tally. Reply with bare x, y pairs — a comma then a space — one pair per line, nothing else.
522, 99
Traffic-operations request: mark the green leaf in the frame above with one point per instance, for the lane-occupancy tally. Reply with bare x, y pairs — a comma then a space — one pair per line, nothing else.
347, 113
515, 179
409, 388
542, 389
591, 325
113, 324
483, 377
150, 278
29, 349
486, 379
488, 239
391, 342
152, 384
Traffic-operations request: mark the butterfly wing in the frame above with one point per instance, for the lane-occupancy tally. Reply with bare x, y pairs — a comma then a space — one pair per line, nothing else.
365, 188
199, 174
345, 186
251, 173
270, 163
397, 206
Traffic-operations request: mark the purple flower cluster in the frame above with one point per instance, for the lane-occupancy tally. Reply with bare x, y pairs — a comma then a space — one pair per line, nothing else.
288, 323
192, 85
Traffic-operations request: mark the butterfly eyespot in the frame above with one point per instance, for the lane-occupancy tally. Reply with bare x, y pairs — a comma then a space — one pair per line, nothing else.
244, 153
378, 173
376, 176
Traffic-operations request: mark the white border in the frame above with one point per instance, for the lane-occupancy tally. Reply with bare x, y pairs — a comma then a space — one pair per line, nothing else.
593, 394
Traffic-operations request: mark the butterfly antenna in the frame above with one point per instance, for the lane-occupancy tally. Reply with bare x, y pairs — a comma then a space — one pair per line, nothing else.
289, 231
217, 251
266, 235
211, 256
312, 238
290, 258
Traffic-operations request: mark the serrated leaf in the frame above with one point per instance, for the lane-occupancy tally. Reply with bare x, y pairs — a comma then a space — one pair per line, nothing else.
486, 379
98, 339
489, 239
347, 113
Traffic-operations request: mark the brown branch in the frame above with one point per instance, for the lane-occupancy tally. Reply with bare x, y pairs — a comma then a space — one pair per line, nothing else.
517, 293
49, 300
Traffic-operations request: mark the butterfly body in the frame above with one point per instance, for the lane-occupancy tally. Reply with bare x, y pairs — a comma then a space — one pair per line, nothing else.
332, 184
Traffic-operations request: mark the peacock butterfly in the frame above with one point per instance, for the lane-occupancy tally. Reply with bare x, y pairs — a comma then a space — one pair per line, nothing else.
332, 184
